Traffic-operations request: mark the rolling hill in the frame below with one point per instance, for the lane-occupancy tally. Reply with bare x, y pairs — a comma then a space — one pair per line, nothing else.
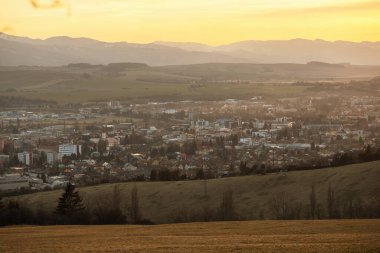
165, 202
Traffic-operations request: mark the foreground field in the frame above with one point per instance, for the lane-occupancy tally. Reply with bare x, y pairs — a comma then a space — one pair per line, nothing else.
253, 236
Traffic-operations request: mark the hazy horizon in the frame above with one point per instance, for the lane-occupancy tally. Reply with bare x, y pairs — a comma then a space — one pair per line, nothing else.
207, 22
182, 42
62, 50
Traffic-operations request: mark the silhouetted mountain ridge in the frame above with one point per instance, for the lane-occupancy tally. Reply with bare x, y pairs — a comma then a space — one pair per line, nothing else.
63, 50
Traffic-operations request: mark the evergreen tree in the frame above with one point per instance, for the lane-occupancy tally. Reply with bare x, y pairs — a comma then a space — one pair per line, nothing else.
70, 202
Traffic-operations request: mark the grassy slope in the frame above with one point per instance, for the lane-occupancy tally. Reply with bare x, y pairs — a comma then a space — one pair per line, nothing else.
64, 84
159, 201
271, 72
253, 236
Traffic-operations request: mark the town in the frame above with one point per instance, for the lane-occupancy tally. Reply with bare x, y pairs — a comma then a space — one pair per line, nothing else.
45, 147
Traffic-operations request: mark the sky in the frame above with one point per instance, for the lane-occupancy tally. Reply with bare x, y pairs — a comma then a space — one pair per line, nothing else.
213, 22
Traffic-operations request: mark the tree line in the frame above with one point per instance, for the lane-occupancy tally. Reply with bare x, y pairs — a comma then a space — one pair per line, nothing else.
107, 209
284, 206
71, 209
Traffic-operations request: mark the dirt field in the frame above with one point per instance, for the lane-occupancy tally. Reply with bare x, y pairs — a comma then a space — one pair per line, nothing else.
252, 236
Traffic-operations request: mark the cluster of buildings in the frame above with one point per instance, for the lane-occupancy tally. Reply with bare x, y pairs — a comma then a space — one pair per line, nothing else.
108, 142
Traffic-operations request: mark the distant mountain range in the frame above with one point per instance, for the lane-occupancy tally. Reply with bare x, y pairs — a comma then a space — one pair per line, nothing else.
62, 50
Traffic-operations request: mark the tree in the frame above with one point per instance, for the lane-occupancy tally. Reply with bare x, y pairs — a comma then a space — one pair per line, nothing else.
243, 168
70, 202
332, 204
164, 175
1, 204
43, 177
107, 209
200, 174
284, 207
313, 203
153, 175
135, 209
42, 159
189, 148
102, 147
3, 220
227, 210
235, 139
8, 149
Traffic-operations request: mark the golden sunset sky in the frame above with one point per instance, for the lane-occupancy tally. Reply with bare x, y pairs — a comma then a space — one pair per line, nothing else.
206, 21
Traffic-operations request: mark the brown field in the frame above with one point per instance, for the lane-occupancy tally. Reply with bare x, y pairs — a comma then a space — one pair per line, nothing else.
167, 83
252, 236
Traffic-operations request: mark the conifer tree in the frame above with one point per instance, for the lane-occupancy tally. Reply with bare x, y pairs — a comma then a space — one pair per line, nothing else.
70, 202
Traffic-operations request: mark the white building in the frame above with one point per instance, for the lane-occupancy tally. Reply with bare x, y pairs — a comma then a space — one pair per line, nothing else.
51, 157
68, 150
200, 123
13, 182
25, 158
114, 105
246, 141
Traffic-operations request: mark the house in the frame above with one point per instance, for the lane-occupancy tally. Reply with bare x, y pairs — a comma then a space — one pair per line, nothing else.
132, 171
112, 142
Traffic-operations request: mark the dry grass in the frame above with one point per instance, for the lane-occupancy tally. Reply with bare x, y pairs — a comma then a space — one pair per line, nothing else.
63, 85
253, 236
159, 201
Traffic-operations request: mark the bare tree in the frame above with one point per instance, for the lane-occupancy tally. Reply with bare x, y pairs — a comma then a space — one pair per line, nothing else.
116, 197
313, 203
330, 201
135, 209
227, 210
106, 208
332, 204
280, 206
284, 207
